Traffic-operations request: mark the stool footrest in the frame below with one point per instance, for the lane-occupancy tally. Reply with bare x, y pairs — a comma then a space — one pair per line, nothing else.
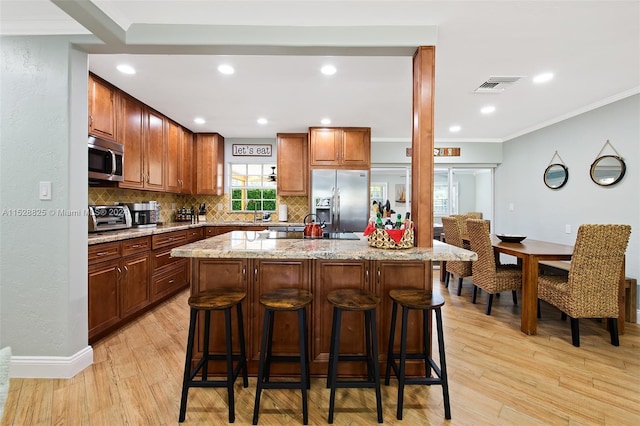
201, 362
353, 358
354, 384
281, 385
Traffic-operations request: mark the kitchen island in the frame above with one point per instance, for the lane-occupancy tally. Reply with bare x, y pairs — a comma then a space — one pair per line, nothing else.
257, 264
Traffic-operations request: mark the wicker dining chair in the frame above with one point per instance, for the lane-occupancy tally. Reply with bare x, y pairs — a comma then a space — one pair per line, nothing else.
591, 288
458, 268
489, 276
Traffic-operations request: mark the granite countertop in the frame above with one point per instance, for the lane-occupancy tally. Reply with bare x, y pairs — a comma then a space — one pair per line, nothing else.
125, 234
250, 244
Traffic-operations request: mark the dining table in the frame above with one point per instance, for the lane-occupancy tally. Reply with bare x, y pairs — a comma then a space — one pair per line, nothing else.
530, 253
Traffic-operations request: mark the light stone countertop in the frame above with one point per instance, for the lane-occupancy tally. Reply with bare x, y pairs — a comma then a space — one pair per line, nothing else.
125, 234
251, 244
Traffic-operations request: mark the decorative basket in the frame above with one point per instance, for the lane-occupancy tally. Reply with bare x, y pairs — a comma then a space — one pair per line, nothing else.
380, 238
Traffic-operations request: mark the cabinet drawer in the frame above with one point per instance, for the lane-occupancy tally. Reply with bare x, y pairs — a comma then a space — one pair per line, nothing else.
162, 258
102, 252
210, 231
169, 239
194, 234
135, 245
170, 280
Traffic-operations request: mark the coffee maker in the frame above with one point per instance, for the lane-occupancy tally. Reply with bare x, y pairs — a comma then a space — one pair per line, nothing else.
145, 214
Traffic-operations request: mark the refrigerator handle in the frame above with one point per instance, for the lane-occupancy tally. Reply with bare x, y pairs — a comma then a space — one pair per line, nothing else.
339, 226
333, 207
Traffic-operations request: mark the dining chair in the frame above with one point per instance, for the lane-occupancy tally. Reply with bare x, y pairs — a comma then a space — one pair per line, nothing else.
458, 268
591, 288
489, 275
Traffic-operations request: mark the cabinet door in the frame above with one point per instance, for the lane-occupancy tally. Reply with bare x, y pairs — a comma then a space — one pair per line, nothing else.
324, 146
154, 150
356, 148
102, 108
134, 286
210, 161
104, 307
293, 164
131, 135
187, 168
332, 275
173, 170
269, 275
215, 273
392, 275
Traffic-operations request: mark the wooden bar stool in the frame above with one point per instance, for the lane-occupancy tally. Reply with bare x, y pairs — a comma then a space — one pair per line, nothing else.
420, 300
354, 300
221, 299
285, 299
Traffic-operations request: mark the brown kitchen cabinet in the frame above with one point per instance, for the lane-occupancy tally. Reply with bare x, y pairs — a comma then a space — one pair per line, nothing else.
170, 274
142, 134
293, 164
215, 273
269, 275
179, 156
340, 147
118, 286
405, 275
209, 164
102, 108
333, 275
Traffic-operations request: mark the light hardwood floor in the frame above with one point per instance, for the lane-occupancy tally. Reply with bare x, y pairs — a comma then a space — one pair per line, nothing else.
497, 375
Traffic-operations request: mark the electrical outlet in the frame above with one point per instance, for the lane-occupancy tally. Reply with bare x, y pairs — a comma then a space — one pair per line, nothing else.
510, 207
567, 229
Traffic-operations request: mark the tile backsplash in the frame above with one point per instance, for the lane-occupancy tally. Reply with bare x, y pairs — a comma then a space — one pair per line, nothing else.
297, 207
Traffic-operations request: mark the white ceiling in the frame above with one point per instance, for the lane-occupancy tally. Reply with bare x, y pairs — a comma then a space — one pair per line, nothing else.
593, 48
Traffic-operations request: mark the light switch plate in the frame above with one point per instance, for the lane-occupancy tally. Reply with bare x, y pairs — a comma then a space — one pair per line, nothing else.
567, 229
45, 190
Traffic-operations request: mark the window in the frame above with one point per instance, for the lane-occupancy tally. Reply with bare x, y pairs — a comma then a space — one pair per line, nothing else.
251, 188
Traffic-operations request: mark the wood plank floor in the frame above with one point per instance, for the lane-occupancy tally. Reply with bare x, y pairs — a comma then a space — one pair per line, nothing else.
497, 376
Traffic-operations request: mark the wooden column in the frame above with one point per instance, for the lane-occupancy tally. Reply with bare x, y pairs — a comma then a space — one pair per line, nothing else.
422, 145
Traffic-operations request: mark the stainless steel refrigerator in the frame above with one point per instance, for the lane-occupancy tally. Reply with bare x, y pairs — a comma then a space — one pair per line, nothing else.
340, 199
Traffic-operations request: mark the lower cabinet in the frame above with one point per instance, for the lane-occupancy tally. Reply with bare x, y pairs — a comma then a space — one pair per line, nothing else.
128, 277
257, 276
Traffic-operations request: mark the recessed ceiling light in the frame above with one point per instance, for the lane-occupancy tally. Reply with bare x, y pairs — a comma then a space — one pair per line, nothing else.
328, 70
455, 129
126, 69
199, 120
543, 78
488, 109
325, 121
226, 69
262, 120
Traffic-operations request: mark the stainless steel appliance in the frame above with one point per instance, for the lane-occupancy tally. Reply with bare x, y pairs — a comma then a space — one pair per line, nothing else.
106, 160
109, 218
145, 214
340, 199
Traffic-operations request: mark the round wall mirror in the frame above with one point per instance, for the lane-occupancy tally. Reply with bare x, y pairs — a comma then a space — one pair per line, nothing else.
608, 170
556, 175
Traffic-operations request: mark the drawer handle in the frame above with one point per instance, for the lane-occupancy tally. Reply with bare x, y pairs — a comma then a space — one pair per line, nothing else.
136, 246
171, 281
103, 253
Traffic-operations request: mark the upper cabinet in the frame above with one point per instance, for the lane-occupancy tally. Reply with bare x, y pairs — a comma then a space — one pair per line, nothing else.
173, 167
292, 164
141, 131
102, 108
210, 164
188, 168
340, 147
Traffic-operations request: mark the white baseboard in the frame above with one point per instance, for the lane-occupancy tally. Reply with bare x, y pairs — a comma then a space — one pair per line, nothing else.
50, 367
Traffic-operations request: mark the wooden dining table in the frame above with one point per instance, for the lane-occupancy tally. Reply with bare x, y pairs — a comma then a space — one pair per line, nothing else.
530, 252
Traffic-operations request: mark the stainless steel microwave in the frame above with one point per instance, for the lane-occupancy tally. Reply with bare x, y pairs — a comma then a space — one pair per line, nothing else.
106, 160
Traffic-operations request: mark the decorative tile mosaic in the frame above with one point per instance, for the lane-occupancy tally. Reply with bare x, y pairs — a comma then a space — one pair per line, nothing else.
298, 207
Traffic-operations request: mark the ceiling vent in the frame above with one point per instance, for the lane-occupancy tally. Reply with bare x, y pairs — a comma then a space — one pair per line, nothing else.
496, 84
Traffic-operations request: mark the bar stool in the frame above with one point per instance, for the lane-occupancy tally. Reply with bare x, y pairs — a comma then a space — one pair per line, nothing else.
220, 299
419, 300
284, 299
354, 300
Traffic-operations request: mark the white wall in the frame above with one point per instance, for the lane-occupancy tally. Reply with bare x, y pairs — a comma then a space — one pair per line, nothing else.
43, 251
542, 213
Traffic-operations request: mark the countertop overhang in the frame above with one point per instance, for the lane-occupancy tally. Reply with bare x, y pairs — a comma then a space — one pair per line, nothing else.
256, 245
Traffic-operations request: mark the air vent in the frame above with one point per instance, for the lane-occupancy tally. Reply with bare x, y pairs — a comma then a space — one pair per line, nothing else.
496, 84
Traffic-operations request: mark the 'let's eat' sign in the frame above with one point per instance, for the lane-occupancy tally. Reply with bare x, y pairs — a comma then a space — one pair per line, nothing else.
251, 150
